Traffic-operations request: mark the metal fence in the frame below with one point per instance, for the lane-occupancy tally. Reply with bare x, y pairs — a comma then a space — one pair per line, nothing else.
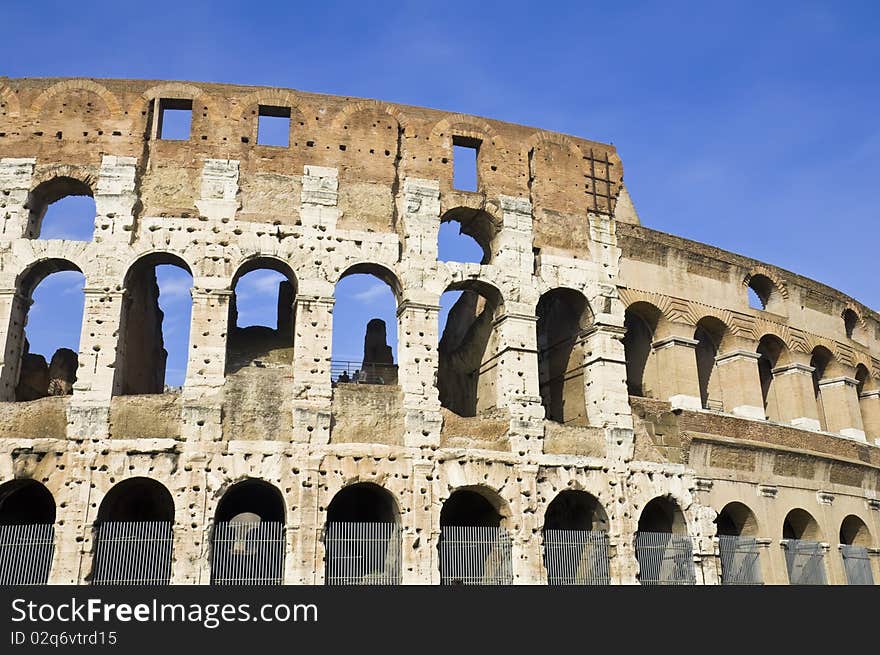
665, 558
247, 553
804, 560
132, 553
857, 565
475, 555
356, 372
26, 553
576, 557
739, 560
362, 553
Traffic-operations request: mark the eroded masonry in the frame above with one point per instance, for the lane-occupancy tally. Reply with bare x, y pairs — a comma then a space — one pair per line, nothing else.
603, 406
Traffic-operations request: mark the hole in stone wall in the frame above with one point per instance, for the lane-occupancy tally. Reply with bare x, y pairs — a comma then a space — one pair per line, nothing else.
466, 235
273, 126
175, 119
465, 153
850, 321
763, 294
61, 208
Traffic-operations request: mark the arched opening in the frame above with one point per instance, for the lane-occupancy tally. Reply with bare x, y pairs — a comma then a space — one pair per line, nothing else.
866, 388
804, 554
772, 353
154, 326
763, 294
247, 542
466, 235
709, 335
663, 548
563, 315
738, 545
365, 327
27, 532
133, 534
466, 369
576, 540
850, 322
820, 361
362, 537
261, 315
640, 321
475, 547
43, 334
61, 208
855, 540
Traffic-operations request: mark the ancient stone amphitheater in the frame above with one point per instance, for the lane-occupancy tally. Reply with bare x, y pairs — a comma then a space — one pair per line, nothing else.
604, 405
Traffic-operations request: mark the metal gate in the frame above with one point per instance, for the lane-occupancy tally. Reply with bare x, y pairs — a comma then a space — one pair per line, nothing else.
804, 560
576, 557
475, 555
739, 560
857, 565
26, 553
665, 558
247, 553
362, 554
132, 553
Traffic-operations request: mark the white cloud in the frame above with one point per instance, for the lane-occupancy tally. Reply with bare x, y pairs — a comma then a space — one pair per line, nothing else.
175, 288
371, 293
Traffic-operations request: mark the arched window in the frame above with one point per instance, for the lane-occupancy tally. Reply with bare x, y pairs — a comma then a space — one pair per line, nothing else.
804, 554
466, 376
576, 540
261, 315
365, 326
247, 542
42, 358
850, 322
61, 208
737, 532
709, 334
466, 235
663, 548
772, 353
855, 540
475, 547
764, 295
154, 326
563, 315
27, 532
362, 537
640, 321
133, 535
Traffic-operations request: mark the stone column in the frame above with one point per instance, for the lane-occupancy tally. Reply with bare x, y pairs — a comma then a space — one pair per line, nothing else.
869, 403
417, 372
605, 392
840, 400
740, 383
209, 325
13, 314
527, 553
793, 388
419, 557
677, 362
312, 346
15, 183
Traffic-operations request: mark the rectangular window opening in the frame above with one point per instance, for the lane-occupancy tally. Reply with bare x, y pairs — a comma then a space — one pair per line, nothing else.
175, 119
273, 126
464, 163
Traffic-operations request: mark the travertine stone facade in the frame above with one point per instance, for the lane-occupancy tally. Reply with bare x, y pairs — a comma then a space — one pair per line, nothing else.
669, 386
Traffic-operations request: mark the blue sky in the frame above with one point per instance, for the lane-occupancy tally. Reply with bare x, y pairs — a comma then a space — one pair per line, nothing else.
752, 126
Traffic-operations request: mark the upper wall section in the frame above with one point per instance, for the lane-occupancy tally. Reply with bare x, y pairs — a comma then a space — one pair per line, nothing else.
374, 145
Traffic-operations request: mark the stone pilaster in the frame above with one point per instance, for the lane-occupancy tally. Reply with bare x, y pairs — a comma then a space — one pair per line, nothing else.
421, 218
312, 346
419, 561
677, 360
319, 197
528, 556
209, 325
13, 314
512, 248
605, 393
793, 389
869, 403
840, 402
16, 174
219, 189
741, 383
115, 199
417, 353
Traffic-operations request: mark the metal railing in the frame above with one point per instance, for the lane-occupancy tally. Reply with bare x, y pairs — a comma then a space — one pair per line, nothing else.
576, 557
739, 560
132, 553
804, 560
247, 553
362, 553
26, 553
665, 558
356, 372
857, 565
474, 555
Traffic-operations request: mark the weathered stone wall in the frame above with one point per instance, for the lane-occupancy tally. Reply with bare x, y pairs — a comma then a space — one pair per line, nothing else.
363, 187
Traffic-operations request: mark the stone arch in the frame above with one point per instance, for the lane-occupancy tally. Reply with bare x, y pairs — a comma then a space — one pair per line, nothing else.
542, 136
773, 353
466, 126
27, 532
136, 499
799, 524
26, 501
363, 502
475, 506
179, 90
854, 531
479, 225
380, 271
50, 191
343, 116
767, 283
663, 514
109, 99
258, 499
574, 509
10, 99
269, 97
853, 323
737, 519
642, 322
712, 336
